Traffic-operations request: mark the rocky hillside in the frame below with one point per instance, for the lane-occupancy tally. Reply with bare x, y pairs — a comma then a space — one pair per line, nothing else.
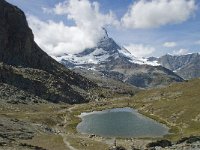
116, 62
186, 66
25, 66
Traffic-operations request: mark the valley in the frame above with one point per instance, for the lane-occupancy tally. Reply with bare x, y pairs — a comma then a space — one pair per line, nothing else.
53, 126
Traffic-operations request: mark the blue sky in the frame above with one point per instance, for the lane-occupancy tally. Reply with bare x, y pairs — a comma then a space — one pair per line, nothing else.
173, 36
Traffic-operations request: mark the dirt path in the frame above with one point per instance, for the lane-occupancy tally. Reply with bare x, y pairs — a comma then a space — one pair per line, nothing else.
64, 136
61, 131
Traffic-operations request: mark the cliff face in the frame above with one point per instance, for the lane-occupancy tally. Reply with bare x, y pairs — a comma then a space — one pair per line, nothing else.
25, 65
17, 45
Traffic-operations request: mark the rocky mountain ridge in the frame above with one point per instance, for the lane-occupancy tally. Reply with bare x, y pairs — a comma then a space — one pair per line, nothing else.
186, 66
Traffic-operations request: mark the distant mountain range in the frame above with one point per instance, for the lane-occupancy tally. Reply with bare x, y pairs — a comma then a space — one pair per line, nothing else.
186, 66
116, 62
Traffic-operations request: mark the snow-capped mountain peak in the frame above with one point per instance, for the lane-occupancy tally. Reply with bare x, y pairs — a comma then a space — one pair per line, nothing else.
108, 59
107, 50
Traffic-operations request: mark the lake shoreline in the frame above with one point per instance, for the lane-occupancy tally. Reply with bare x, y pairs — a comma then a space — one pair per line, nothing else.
130, 110
90, 109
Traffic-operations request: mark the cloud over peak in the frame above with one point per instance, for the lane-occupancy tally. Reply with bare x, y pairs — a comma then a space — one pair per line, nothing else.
56, 38
155, 13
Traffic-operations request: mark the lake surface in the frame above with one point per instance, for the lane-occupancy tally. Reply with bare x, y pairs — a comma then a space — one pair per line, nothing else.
120, 122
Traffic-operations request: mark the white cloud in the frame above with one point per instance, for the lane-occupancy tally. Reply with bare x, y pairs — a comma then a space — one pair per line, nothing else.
56, 38
180, 52
170, 44
140, 50
155, 13
61, 8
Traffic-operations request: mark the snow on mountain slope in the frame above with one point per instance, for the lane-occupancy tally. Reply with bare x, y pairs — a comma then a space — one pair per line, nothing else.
105, 51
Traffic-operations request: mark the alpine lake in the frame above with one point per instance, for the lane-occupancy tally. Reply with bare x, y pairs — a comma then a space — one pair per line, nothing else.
120, 122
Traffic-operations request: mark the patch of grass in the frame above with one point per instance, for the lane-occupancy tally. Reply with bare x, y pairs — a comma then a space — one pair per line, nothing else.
48, 141
87, 144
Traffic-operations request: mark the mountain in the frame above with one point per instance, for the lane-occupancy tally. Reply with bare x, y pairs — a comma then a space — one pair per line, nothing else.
118, 63
106, 51
25, 66
186, 66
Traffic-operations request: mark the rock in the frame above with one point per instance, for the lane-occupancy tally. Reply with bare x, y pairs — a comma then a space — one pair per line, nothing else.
117, 148
189, 140
61, 125
24, 145
161, 143
134, 148
92, 135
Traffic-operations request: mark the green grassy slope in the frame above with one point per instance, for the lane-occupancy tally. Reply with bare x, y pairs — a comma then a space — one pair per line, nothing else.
178, 105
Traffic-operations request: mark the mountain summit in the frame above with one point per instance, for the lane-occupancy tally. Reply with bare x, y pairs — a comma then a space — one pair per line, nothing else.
117, 62
106, 51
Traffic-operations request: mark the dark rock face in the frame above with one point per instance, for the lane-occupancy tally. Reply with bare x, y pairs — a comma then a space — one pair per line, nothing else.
189, 140
24, 145
161, 143
186, 66
17, 45
43, 76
